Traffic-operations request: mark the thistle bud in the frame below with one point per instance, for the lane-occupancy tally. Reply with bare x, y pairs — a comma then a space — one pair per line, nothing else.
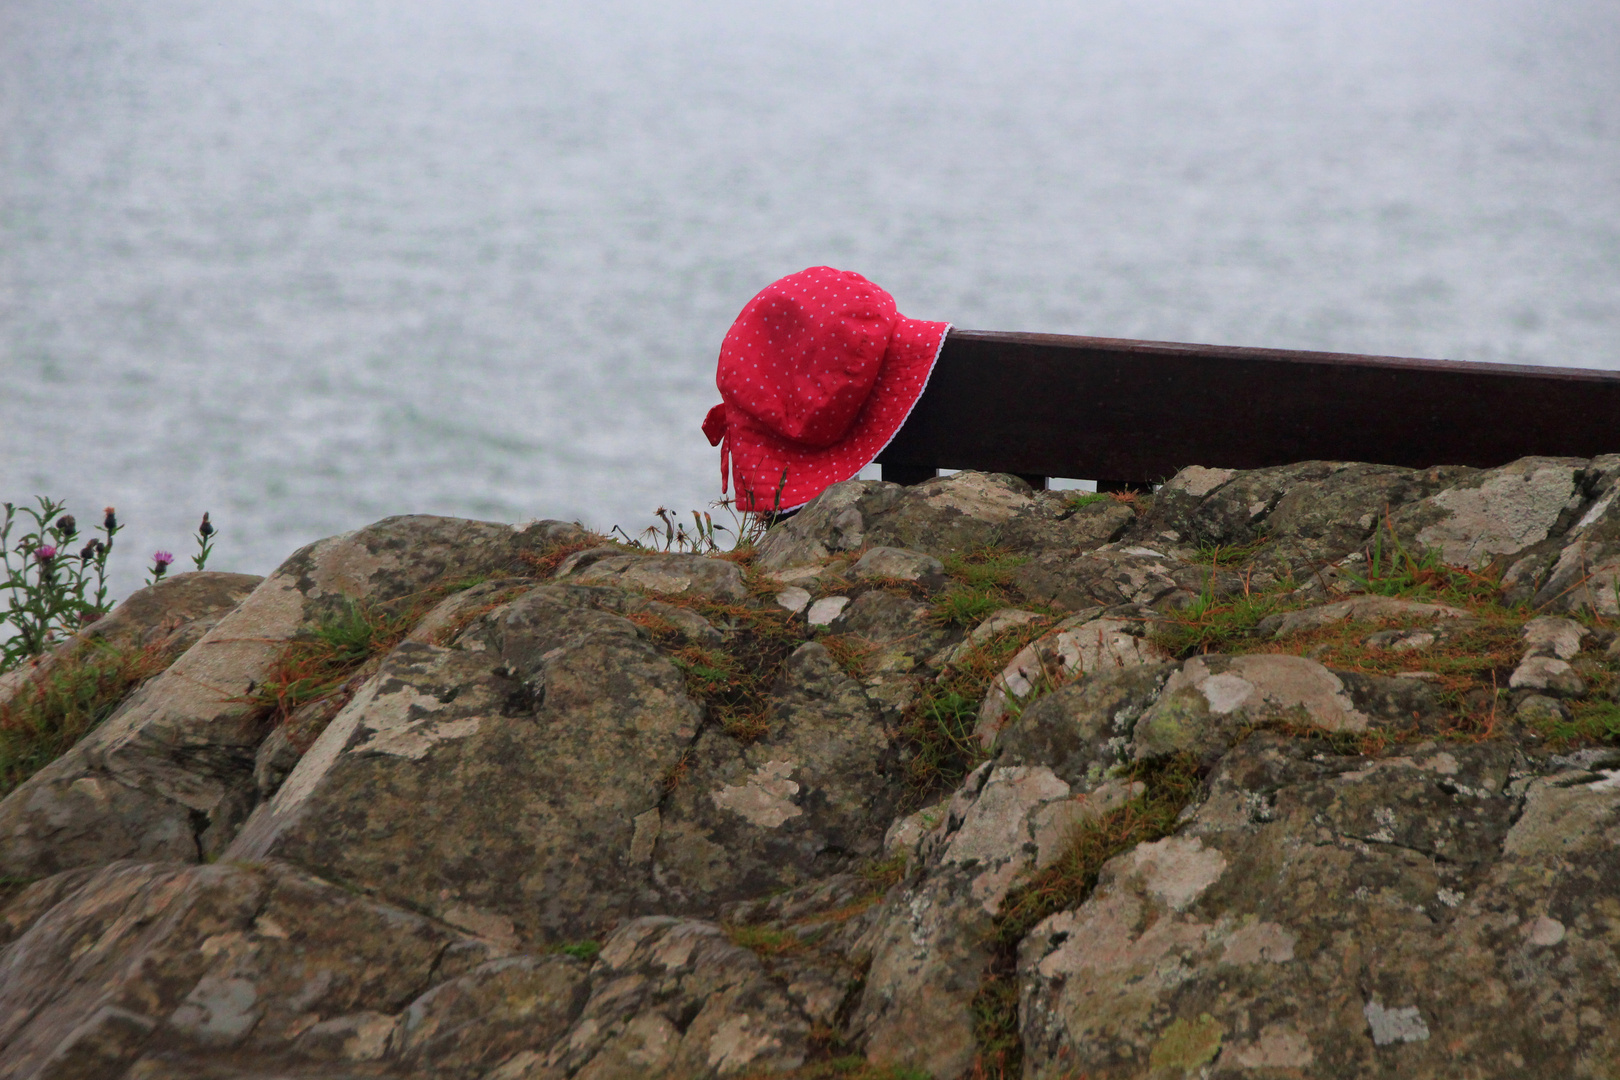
110, 522
67, 525
89, 550
206, 529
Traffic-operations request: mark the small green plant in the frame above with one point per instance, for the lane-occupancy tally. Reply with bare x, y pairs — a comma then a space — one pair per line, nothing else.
320, 662
1393, 571
764, 941
984, 579
1214, 624
1082, 499
581, 950
1229, 554
943, 748
1590, 720
964, 606
51, 591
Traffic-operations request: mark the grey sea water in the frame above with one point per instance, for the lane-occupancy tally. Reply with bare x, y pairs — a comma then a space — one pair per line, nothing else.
307, 263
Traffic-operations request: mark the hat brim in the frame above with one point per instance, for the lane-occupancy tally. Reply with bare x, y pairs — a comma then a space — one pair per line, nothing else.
773, 474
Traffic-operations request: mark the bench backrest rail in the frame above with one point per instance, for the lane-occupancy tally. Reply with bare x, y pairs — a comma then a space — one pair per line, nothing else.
1132, 412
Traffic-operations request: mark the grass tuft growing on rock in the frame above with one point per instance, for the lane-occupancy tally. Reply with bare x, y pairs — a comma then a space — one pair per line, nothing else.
581, 950
853, 654
845, 1067
938, 746
320, 663
763, 940
46, 716
1394, 571
733, 680
1211, 626
1070, 879
1229, 554
965, 606
1066, 884
1589, 720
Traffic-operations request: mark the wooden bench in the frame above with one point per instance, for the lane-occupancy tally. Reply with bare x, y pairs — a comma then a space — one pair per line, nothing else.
1130, 413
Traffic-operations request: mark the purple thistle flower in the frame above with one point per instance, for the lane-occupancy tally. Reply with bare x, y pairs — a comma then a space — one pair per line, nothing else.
162, 558
44, 553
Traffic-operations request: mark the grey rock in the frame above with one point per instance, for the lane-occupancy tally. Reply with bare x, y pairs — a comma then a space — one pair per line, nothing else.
170, 616
812, 797
503, 1007
517, 772
1083, 730
1339, 955
1539, 710
1548, 674
1076, 647
1120, 574
176, 761
832, 522
1496, 512
826, 610
1585, 577
944, 516
140, 962
931, 942
694, 575
888, 562
672, 998
1310, 513
1213, 698
1002, 619
1555, 637
1356, 609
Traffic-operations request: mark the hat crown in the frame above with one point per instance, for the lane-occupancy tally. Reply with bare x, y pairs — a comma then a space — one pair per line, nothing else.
803, 356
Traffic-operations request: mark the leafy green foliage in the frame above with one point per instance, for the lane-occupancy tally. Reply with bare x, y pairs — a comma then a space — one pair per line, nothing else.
49, 589
53, 590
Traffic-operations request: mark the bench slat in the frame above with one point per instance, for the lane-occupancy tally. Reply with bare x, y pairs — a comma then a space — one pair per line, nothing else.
1137, 411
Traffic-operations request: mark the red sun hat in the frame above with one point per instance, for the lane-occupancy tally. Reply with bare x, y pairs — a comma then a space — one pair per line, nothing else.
816, 376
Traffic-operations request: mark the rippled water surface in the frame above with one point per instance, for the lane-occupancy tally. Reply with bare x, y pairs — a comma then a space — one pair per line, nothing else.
306, 264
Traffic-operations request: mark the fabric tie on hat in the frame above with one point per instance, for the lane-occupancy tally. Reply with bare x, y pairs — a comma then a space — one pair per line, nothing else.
817, 374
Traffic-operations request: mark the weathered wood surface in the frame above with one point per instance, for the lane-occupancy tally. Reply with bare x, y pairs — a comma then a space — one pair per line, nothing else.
1137, 411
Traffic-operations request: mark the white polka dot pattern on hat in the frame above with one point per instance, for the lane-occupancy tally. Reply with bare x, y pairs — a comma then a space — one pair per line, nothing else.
818, 373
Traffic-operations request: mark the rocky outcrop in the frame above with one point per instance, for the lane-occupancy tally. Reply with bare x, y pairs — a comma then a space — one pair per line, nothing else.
1309, 771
